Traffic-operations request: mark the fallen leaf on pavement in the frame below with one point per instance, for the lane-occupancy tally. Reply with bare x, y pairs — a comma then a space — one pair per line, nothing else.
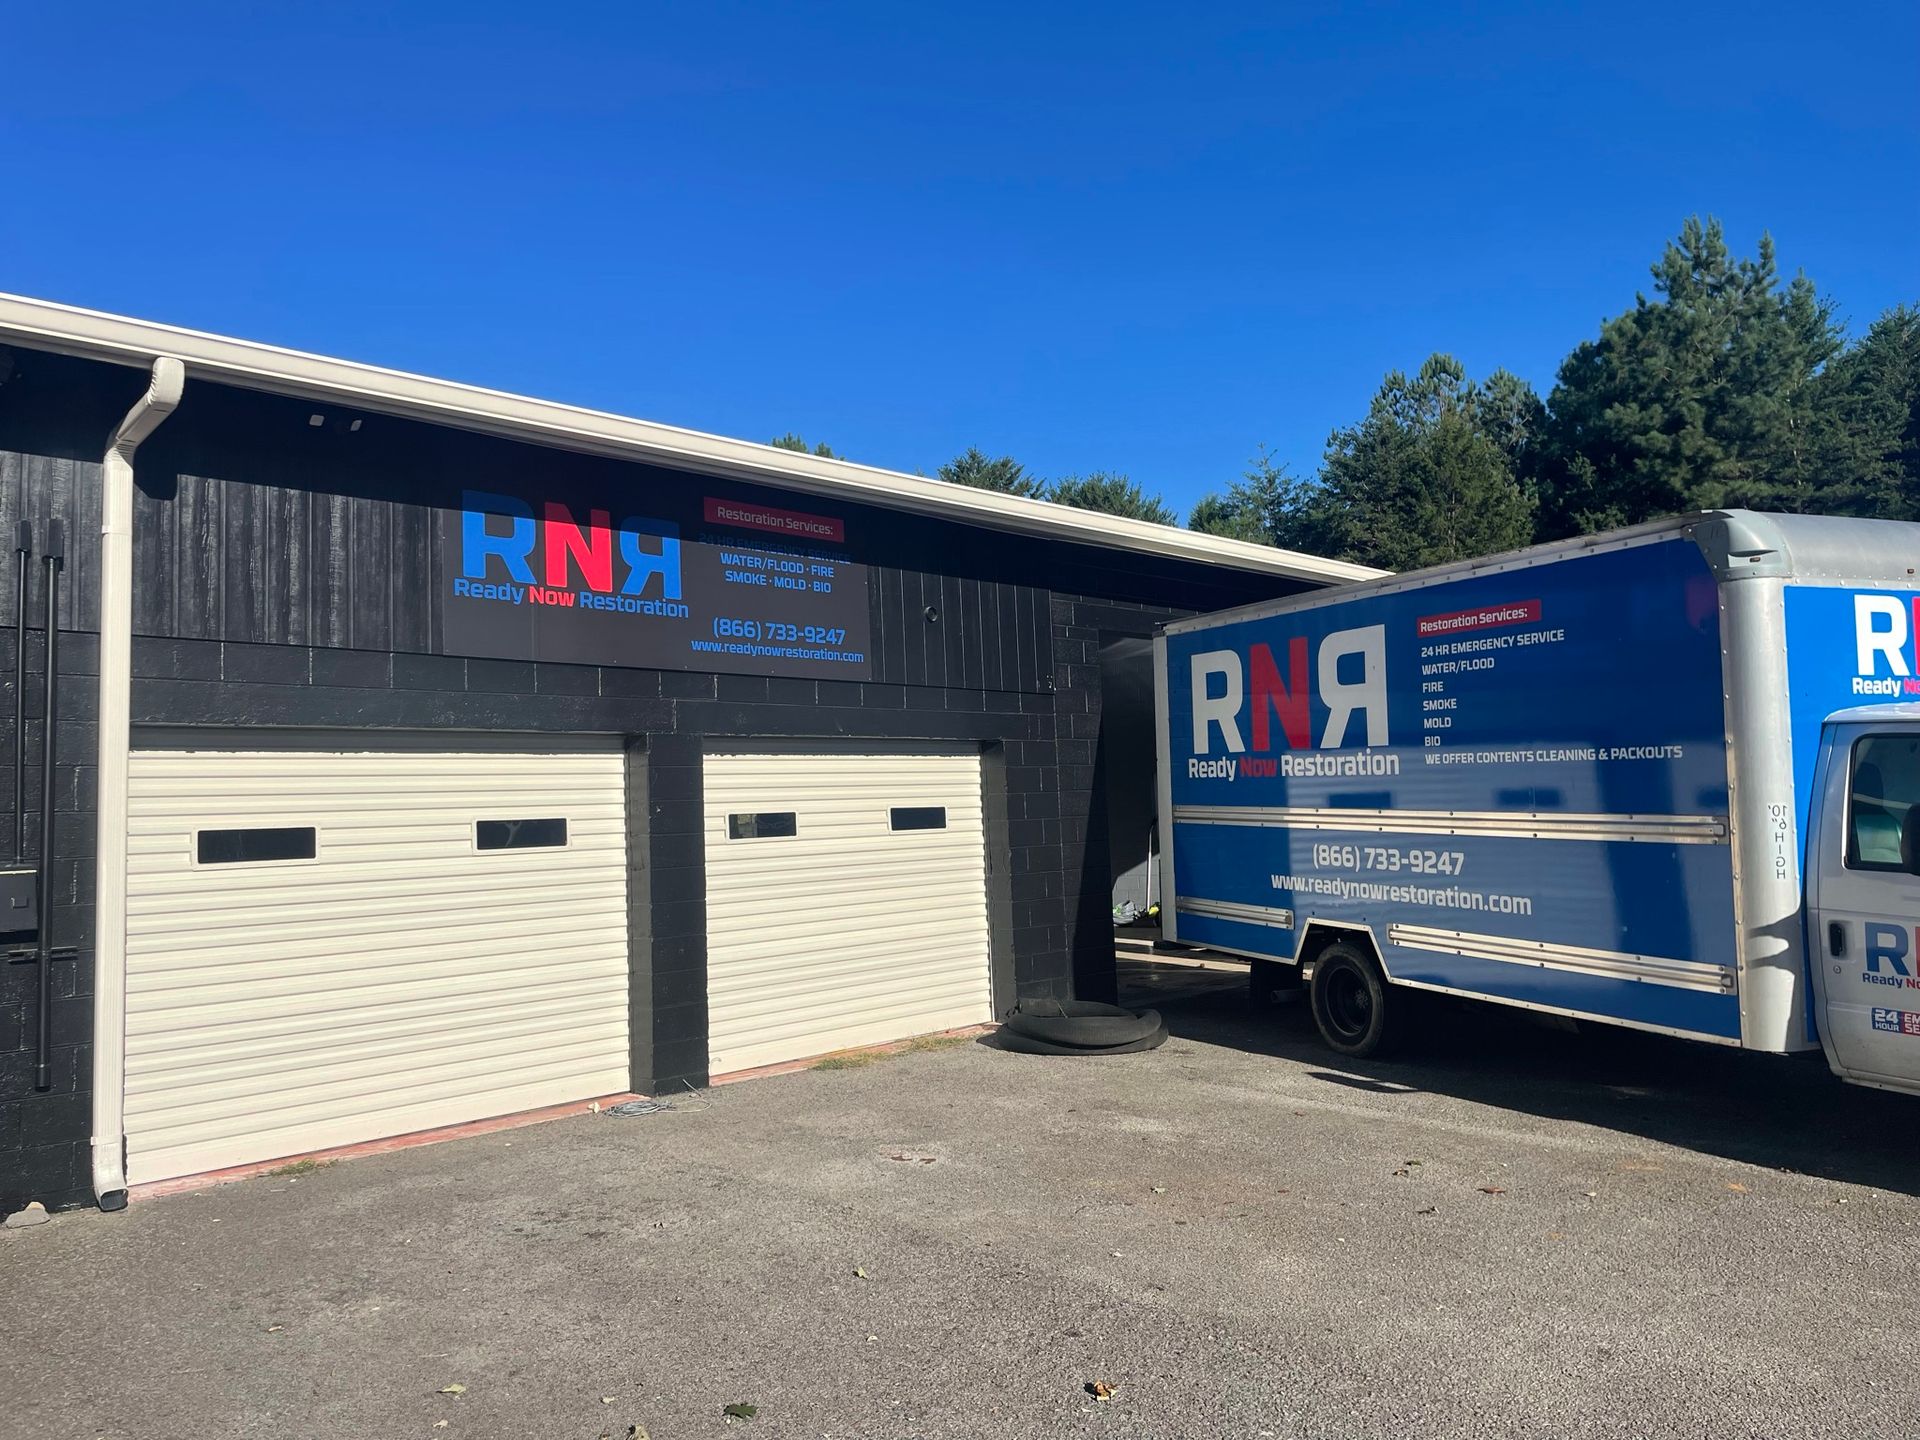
1428, 1210
1491, 1190
858, 1273
1403, 1172
1736, 1187
455, 1389
638, 1432
740, 1410
1159, 1189
1099, 1389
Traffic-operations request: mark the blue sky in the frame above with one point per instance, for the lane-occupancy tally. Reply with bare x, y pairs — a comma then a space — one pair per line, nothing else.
1120, 237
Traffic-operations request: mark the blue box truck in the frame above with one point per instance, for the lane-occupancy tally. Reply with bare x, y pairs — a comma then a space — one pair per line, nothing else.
1667, 777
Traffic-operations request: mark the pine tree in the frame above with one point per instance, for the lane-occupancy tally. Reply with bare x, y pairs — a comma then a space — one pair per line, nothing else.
1867, 421
1111, 494
1223, 515
1702, 397
1268, 506
791, 441
1006, 474
1419, 481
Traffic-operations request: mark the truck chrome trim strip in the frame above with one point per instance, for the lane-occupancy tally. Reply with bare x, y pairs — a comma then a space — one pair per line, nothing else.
1273, 915
1609, 964
1527, 825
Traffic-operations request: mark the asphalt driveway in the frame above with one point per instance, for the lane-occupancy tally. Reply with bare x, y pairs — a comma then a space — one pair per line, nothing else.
1510, 1232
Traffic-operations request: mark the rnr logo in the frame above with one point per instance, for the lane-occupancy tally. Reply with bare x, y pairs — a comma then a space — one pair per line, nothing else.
648, 549
1889, 945
1220, 692
1882, 633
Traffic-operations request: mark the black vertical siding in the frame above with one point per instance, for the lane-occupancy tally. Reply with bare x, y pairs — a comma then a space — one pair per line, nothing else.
286, 575
290, 543
199, 588
41, 489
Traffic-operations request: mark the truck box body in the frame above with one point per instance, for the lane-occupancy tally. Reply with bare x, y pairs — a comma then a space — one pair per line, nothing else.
1575, 778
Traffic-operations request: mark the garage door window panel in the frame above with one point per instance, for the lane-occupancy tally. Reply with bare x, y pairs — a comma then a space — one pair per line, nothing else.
546, 834
763, 825
256, 845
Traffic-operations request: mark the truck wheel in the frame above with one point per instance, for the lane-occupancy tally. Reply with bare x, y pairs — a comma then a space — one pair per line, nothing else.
1351, 1004
1271, 984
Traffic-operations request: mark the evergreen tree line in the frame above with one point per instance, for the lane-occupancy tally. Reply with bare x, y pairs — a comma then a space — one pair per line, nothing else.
1724, 388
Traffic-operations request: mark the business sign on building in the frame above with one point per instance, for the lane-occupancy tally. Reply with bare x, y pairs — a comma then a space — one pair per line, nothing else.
744, 587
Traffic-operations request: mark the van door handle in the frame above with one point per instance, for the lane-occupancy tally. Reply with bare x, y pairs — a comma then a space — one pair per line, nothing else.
1836, 938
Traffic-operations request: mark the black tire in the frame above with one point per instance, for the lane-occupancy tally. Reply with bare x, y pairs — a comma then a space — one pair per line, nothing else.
1353, 1007
1082, 1024
1271, 984
1009, 1039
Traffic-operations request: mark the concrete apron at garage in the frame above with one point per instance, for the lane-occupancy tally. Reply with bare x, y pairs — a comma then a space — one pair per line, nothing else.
1511, 1232
1144, 981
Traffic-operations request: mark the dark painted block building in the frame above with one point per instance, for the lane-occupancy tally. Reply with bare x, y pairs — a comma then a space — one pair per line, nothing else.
422, 753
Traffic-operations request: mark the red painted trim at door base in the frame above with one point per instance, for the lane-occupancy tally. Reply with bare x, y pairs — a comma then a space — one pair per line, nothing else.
180, 1184
892, 1047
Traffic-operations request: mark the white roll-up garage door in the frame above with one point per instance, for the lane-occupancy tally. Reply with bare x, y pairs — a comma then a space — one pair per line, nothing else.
846, 903
325, 948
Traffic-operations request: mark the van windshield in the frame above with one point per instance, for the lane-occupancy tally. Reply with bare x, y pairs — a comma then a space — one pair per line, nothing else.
1883, 803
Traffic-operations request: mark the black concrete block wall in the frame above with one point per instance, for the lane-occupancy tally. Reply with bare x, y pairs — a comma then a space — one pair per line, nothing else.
44, 1133
1060, 939
288, 594
675, 952
1080, 627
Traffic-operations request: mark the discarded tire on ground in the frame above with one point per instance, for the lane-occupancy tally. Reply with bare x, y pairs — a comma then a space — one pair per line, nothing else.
1081, 1027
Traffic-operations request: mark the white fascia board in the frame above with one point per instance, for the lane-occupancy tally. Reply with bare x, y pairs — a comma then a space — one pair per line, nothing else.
69, 330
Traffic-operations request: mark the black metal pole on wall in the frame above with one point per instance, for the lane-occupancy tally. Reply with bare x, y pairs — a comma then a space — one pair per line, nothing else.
43, 1074
22, 551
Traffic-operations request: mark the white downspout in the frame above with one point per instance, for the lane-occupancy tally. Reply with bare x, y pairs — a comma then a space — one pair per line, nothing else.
116, 738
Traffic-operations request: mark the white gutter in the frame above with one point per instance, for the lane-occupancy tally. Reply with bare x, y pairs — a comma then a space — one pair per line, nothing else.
115, 732
72, 331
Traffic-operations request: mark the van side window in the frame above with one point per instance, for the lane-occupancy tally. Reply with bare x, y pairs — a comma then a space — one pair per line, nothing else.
1883, 803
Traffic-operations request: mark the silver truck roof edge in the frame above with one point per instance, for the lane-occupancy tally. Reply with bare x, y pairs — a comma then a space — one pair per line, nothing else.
1742, 544
1737, 544
1459, 569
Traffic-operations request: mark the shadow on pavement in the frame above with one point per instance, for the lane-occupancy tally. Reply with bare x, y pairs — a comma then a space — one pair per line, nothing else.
1787, 1113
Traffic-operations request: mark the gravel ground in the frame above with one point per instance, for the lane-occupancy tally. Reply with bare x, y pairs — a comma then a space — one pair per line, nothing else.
1510, 1231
